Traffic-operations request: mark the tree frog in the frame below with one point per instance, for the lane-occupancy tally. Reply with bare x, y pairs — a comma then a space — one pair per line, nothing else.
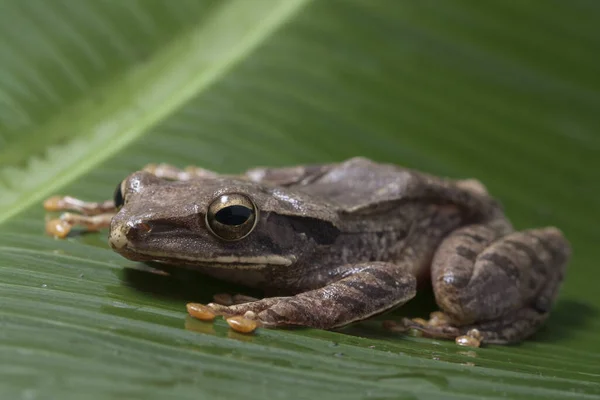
332, 244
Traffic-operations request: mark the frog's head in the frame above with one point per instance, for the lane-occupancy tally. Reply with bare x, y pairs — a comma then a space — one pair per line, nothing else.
219, 222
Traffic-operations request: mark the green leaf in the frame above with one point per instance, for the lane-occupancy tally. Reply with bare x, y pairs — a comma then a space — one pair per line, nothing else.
90, 91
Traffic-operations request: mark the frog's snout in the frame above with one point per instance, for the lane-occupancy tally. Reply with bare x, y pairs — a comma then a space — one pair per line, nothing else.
118, 238
121, 236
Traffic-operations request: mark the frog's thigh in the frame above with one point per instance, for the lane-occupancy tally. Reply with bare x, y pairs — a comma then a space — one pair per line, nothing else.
503, 286
362, 291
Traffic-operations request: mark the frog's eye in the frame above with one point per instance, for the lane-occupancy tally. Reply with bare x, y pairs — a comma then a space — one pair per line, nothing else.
231, 216
118, 197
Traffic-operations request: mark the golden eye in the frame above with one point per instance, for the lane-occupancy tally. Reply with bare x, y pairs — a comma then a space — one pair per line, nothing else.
231, 216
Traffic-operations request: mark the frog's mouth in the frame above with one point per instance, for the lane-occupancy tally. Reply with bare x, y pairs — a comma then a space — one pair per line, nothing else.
223, 262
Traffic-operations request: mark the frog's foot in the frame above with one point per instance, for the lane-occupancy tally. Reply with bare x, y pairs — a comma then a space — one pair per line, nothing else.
226, 306
93, 215
510, 328
61, 227
226, 299
237, 323
274, 312
167, 171
438, 326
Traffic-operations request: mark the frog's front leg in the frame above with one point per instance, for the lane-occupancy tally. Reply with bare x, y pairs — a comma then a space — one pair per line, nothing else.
61, 226
496, 289
68, 203
93, 215
354, 293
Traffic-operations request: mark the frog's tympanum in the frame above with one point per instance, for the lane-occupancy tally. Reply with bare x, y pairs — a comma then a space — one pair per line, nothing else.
337, 243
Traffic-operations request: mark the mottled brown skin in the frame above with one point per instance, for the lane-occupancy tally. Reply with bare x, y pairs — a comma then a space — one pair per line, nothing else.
338, 243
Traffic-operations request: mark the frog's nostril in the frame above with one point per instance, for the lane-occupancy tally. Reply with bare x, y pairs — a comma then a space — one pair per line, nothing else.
143, 227
137, 229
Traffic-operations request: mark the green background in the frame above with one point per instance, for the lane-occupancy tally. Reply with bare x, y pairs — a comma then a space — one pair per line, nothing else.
505, 91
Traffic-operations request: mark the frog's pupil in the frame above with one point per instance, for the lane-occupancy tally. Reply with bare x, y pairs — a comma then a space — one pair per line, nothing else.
233, 215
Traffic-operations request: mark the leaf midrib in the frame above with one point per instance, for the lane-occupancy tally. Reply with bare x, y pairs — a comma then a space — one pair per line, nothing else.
144, 96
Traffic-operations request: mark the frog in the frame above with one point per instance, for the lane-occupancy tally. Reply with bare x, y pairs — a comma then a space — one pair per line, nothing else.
333, 244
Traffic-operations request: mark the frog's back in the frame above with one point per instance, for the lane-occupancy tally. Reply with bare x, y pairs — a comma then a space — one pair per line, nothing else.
360, 184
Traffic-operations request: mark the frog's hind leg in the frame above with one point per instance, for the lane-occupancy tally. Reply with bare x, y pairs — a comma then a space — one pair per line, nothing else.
510, 328
499, 287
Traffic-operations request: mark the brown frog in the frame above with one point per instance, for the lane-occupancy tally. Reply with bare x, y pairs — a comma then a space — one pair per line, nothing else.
339, 243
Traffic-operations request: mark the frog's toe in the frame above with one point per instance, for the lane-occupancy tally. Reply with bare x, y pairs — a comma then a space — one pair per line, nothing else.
219, 309
242, 324
200, 311
472, 338
436, 327
240, 309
